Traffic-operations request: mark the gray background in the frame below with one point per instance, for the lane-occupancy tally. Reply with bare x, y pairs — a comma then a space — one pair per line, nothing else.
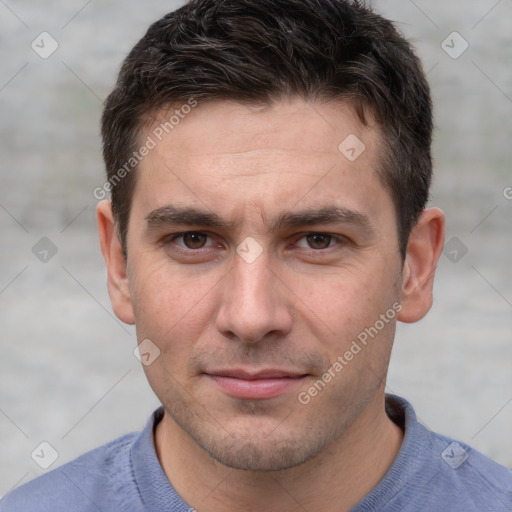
68, 374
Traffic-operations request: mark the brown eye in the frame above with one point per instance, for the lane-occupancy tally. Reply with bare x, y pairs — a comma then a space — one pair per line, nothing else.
318, 240
194, 240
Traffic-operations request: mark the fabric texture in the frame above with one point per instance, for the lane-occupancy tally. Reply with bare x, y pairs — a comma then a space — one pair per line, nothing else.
432, 473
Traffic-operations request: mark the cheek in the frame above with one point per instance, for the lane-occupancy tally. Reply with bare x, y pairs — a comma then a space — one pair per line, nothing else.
171, 311
345, 301
343, 311
168, 304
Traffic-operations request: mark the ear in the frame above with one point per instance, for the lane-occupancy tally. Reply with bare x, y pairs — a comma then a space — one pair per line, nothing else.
423, 250
111, 248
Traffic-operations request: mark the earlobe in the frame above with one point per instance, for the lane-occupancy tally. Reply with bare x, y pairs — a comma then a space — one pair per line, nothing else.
118, 286
423, 251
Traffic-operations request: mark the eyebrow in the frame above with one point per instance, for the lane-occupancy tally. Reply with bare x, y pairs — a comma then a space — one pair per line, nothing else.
325, 215
169, 215
187, 216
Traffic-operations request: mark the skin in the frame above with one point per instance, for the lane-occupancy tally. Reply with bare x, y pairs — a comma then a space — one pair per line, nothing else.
296, 307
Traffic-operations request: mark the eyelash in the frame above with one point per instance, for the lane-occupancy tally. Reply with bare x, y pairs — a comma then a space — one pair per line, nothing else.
339, 240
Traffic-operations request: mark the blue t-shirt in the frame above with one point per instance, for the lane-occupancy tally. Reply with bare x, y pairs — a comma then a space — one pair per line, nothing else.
431, 473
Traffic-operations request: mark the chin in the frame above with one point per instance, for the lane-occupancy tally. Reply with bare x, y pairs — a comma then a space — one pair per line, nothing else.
263, 454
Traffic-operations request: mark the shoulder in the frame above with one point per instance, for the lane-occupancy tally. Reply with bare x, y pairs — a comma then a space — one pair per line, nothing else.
434, 472
466, 474
97, 476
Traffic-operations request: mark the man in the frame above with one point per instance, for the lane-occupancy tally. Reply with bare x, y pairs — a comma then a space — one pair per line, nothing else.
269, 164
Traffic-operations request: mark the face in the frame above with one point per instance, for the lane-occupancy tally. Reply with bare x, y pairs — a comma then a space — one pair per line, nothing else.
259, 254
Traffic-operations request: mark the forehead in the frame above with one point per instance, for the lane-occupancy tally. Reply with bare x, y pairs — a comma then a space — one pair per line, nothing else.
233, 158
290, 122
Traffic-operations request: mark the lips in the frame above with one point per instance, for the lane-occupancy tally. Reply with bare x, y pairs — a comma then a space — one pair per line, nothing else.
261, 385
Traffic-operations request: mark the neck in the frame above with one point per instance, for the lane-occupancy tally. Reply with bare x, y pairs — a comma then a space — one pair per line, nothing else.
335, 480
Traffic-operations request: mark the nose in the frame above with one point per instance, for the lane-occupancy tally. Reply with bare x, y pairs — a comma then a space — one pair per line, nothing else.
255, 303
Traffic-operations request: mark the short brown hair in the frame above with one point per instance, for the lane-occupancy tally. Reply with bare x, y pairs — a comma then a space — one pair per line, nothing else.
255, 51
